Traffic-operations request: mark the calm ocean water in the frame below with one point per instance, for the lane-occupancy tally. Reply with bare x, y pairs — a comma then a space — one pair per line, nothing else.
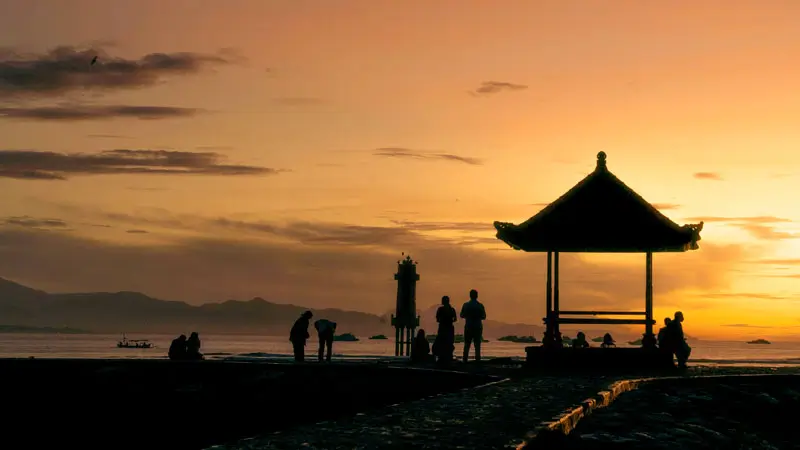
24, 345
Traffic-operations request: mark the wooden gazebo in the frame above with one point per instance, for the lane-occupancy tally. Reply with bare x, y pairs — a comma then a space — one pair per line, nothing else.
598, 215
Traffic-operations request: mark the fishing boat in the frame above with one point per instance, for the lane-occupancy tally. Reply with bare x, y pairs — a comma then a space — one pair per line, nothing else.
134, 343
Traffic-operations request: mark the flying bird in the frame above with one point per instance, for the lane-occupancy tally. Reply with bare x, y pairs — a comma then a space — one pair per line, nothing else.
94, 60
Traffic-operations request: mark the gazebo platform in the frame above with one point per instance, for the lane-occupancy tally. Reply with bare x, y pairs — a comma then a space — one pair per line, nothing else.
582, 359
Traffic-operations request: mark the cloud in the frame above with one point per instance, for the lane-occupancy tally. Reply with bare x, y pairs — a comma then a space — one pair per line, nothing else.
31, 222
340, 265
665, 206
744, 325
399, 152
446, 226
39, 165
66, 69
760, 227
98, 112
495, 87
777, 262
107, 136
750, 295
147, 189
136, 231
299, 101
708, 176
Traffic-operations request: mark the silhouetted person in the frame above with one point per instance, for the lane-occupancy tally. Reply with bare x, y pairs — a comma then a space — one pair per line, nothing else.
193, 347
420, 348
299, 335
608, 341
473, 314
444, 345
325, 332
682, 349
664, 338
177, 349
580, 341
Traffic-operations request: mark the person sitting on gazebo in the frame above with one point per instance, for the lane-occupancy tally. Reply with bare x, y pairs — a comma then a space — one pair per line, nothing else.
580, 341
681, 348
663, 335
608, 341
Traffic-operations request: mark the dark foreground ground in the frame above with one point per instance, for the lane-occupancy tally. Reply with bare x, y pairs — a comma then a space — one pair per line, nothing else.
120, 404
115, 404
706, 413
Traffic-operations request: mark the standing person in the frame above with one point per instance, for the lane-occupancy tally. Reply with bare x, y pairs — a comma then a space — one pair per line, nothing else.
473, 314
325, 331
299, 335
444, 345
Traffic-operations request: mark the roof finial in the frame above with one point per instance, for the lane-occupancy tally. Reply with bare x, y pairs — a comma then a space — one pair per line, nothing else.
601, 161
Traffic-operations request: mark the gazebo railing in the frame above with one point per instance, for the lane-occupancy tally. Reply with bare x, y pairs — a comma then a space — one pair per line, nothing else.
599, 321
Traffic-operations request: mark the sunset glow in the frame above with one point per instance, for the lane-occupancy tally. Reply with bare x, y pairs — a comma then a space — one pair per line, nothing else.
325, 138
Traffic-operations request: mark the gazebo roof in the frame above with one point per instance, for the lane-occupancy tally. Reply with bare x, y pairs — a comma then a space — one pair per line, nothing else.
600, 214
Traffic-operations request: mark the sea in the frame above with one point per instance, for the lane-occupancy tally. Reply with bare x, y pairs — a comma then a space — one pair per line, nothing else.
238, 347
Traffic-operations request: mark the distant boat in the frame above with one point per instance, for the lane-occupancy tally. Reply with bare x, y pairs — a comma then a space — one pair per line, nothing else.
760, 341
134, 343
378, 336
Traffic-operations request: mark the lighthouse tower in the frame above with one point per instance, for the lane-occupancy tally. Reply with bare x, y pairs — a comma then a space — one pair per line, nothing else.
405, 320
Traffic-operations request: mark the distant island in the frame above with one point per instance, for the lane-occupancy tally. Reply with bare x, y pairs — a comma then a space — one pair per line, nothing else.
27, 310
519, 339
636, 342
459, 339
378, 336
47, 330
597, 339
759, 341
346, 337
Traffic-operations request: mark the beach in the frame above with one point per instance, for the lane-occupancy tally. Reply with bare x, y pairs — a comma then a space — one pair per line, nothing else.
248, 398
226, 405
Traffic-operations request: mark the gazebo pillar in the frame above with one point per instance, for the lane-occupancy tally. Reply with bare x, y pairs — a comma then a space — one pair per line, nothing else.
556, 325
649, 339
552, 335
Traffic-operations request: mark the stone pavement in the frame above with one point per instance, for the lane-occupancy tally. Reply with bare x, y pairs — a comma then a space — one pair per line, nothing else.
494, 416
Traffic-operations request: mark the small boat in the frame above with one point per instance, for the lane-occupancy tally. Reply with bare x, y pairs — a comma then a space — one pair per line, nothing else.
134, 343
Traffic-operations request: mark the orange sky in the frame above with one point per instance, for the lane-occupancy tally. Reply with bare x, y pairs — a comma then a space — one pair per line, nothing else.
694, 102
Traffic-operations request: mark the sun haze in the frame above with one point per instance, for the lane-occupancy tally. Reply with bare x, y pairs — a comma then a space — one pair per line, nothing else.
293, 149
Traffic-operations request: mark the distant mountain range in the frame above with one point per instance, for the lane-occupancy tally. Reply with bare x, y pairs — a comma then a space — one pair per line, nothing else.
23, 308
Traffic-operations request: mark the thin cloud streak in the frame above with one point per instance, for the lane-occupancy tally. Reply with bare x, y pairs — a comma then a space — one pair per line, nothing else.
40, 165
85, 112
400, 152
496, 87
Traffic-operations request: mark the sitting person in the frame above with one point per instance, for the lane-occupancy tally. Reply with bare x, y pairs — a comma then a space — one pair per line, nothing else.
608, 341
580, 341
177, 350
420, 348
663, 335
678, 340
193, 347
